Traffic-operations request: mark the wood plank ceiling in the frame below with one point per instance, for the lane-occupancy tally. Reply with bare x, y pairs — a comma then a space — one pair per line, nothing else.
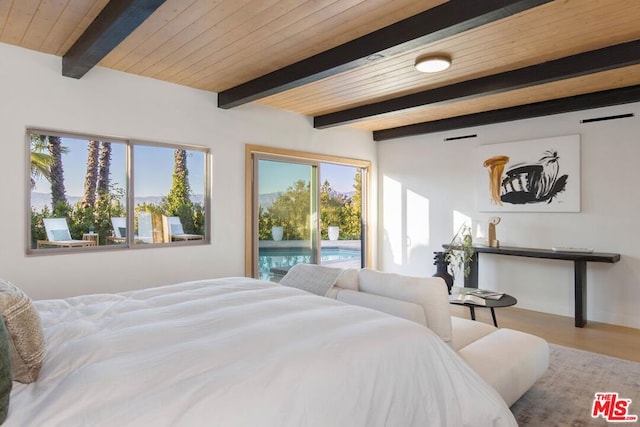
330, 59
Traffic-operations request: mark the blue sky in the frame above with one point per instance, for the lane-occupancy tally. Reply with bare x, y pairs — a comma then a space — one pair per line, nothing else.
153, 169
278, 176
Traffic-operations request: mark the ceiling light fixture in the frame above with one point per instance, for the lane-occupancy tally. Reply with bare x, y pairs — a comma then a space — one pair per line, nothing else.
433, 63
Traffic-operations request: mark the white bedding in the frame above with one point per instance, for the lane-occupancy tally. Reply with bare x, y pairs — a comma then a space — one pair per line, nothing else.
243, 352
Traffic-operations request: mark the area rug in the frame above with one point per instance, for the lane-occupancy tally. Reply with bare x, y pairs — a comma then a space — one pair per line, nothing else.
564, 396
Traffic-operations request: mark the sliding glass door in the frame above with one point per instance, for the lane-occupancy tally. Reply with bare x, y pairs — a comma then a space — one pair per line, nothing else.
286, 218
304, 210
341, 221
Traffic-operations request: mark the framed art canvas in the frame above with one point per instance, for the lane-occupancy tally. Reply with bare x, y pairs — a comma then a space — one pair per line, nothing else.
540, 175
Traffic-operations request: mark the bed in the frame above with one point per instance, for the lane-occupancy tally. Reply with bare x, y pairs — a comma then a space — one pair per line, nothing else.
243, 352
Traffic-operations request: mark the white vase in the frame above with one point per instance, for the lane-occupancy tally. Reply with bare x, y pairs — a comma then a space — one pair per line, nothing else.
334, 232
276, 232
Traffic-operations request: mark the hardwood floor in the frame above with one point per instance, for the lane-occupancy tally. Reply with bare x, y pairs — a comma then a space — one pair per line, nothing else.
612, 340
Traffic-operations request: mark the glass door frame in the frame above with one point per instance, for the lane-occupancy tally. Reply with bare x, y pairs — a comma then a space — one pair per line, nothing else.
253, 153
314, 205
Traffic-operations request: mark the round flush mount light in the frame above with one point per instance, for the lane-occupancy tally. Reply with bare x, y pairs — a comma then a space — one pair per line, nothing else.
433, 63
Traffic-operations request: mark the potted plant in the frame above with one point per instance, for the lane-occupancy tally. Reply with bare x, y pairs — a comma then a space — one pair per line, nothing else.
277, 232
333, 232
456, 257
460, 251
333, 228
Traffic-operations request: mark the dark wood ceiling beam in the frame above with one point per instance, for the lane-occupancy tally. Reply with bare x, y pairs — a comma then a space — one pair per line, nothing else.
557, 106
116, 21
595, 61
445, 20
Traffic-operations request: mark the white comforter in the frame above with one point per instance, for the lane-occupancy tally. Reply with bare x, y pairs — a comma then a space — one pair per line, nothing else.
243, 352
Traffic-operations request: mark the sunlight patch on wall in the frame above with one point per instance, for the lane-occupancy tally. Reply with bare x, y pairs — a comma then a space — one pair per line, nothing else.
417, 220
459, 219
392, 218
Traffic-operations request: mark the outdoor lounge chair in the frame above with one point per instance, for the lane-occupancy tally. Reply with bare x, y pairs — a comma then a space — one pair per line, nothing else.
173, 230
58, 235
119, 224
145, 229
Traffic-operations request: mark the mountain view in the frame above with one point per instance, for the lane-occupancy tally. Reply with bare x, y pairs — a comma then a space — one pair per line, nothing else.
40, 200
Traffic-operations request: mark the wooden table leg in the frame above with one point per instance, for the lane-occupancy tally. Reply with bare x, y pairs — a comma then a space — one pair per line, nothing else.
580, 285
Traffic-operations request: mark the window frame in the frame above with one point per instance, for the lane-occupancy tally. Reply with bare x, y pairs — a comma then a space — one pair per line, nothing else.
129, 144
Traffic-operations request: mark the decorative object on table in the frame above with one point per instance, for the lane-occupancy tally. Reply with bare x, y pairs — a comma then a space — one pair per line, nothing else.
460, 251
540, 175
571, 249
458, 256
442, 269
491, 234
466, 298
487, 294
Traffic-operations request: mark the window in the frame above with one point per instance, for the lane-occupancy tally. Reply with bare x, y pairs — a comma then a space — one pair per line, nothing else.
87, 192
304, 208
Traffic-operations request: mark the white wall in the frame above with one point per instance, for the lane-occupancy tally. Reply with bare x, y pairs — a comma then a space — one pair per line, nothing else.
33, 93
430, 179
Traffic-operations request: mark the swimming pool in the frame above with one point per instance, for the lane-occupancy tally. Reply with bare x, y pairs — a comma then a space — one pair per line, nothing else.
270, 258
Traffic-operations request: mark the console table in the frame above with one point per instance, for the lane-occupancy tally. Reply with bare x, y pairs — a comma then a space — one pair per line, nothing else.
579, 259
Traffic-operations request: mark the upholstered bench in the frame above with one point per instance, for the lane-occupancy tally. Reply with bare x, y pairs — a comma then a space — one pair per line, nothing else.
509, 360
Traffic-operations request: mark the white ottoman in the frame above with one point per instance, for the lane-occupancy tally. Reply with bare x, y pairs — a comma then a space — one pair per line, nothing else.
510, 361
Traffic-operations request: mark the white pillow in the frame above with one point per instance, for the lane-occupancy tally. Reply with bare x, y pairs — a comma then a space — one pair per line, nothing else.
430, 292
348, 279
316, 279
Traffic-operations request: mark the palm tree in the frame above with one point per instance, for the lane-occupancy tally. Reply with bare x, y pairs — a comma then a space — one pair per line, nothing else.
40, 159
91, 178
180, 185
178, 201
57, 172
102, 185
